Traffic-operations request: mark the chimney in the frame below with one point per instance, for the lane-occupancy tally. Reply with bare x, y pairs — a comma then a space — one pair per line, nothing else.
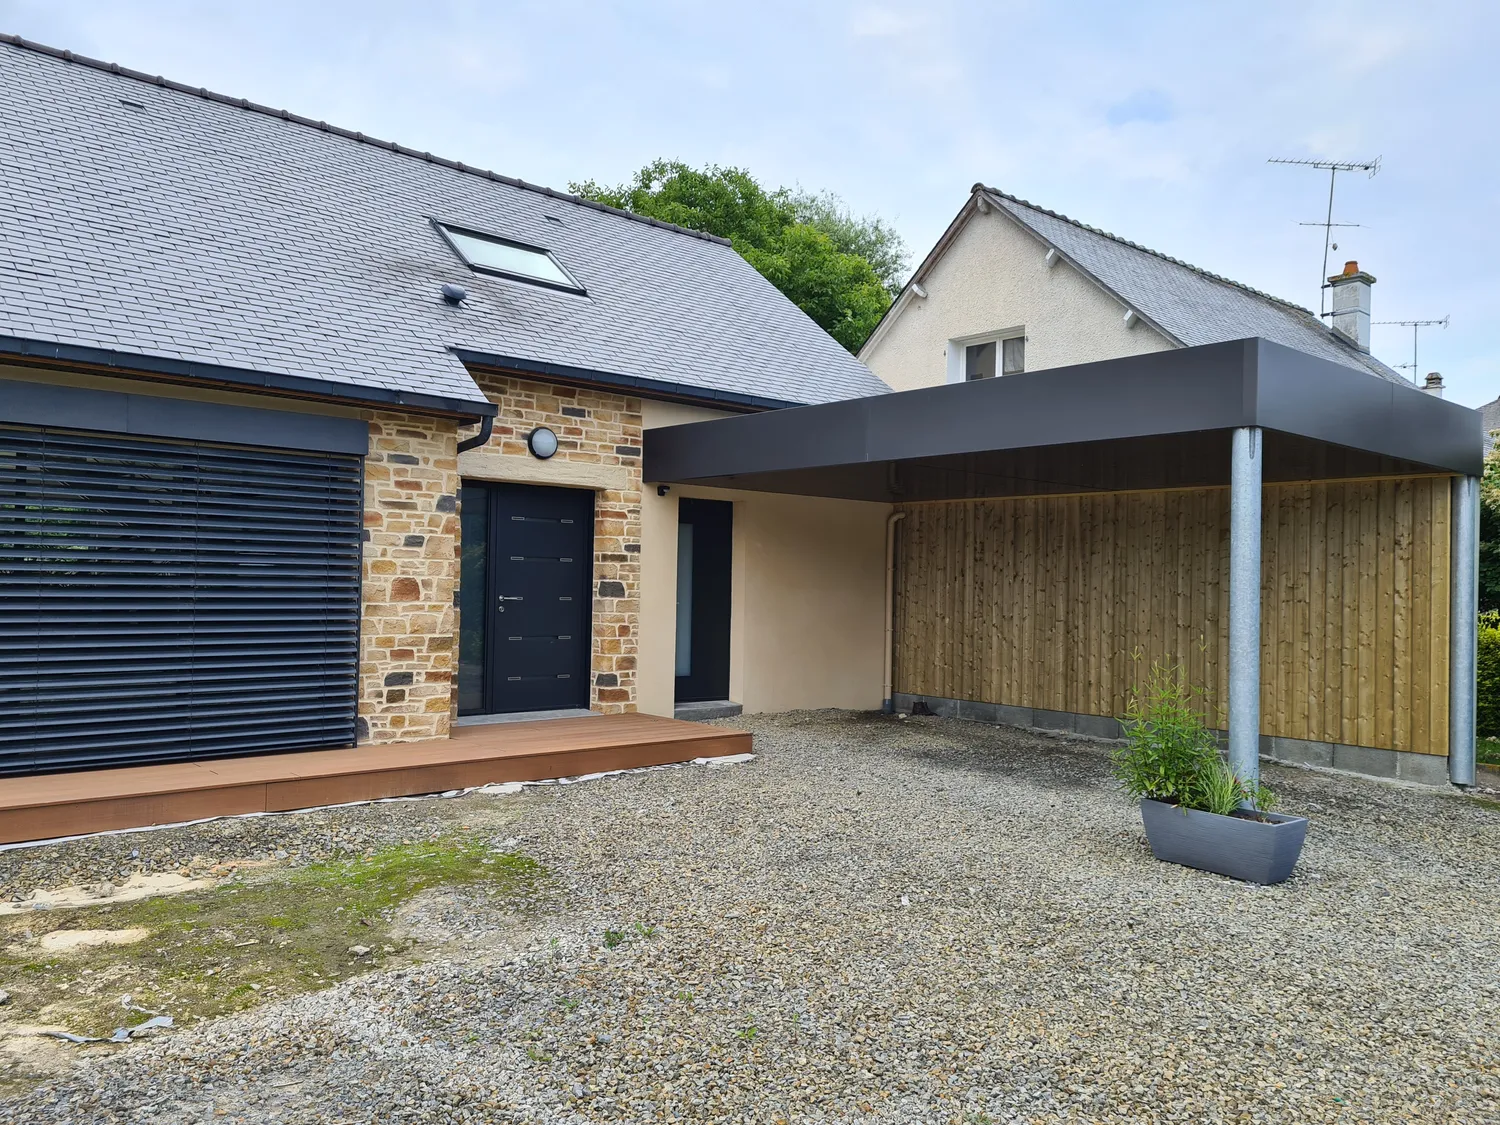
1351, 305
1434, 385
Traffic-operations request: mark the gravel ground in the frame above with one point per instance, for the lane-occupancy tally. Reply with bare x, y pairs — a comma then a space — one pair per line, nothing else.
874, 921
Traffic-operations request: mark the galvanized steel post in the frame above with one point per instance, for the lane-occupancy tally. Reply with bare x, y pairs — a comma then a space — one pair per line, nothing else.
1463, 629
1244, 603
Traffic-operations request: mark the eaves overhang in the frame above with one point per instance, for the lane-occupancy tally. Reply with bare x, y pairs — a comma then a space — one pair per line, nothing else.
168, 369
1141, 422
640, 386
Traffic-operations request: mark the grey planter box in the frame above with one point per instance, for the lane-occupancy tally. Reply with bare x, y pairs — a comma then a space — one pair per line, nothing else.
1252, 850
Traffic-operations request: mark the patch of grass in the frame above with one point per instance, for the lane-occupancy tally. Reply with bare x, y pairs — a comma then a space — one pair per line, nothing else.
227, 948
645, 930
613, 938
1487, 751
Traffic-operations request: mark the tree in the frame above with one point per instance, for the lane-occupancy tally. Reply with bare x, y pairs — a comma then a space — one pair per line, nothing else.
810, 247
1489, 533
867, 236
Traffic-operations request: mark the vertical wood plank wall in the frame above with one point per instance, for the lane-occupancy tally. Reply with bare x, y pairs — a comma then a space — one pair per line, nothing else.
1041, 602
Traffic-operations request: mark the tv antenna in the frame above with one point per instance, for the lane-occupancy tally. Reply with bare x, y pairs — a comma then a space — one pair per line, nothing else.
1415, 326
1333, 168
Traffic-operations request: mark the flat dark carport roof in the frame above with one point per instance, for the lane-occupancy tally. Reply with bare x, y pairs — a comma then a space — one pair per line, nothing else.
1153, 421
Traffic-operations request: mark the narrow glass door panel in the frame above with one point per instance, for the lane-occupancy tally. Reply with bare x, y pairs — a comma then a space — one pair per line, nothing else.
473, 599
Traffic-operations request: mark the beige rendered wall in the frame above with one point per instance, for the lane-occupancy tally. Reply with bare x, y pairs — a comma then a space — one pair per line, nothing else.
994, 278
807, 621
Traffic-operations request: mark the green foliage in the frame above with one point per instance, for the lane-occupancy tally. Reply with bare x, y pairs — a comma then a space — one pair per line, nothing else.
1171, 755
1219, 791
808, 246
865, 236
613, 938
1487, 668
1489, 533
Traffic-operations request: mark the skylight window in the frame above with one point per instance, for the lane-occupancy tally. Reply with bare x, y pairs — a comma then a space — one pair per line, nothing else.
488, 254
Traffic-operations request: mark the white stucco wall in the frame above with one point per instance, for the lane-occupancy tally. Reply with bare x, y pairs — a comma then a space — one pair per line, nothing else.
807, 621
994, 277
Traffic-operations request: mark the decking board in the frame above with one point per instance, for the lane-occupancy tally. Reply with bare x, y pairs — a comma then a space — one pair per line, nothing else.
45, 806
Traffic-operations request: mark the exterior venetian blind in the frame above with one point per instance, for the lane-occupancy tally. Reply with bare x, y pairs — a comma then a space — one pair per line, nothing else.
166, 601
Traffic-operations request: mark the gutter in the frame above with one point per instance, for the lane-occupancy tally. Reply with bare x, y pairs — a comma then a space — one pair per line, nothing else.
660, 389
78, 357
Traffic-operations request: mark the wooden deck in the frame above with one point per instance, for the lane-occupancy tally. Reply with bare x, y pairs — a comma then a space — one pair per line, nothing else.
66, 804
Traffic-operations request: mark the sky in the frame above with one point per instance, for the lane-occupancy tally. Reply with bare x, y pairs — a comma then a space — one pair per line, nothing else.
1152, 120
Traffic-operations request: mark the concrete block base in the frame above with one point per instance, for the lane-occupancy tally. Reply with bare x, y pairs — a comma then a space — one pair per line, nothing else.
700, 712
1422, 769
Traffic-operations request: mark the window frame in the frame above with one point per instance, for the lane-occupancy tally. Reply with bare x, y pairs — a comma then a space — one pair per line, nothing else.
958, 350
446, 230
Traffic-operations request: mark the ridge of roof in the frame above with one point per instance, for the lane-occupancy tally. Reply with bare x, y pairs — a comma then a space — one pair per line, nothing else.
1199, 270
347, 134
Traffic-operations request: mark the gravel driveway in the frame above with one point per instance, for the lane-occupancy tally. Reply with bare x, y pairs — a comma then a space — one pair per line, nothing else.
874, 921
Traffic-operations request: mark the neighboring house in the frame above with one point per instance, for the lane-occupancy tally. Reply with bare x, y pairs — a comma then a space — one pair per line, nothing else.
1489, 415
1011, 287
310, 441
244, 340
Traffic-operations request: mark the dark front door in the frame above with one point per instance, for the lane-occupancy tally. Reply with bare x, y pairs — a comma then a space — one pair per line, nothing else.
525, 599
705, 534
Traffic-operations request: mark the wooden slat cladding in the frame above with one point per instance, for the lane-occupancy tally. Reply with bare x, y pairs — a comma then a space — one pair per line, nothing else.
1044, 602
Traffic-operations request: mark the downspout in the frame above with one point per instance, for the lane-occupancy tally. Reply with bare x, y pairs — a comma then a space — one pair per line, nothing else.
486, 428
1463, 629
890, 605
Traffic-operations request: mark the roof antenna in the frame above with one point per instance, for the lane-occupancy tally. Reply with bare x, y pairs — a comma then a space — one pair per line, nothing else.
1415, 326
1333, 168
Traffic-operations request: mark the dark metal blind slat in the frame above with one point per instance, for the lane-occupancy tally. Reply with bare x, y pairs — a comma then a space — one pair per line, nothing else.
169, 601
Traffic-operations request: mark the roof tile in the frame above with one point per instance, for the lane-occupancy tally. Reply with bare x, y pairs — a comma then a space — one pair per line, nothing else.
1191, 304
195, 228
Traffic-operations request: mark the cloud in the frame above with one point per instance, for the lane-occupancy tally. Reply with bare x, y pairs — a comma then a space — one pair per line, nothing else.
1148, 105
885, 23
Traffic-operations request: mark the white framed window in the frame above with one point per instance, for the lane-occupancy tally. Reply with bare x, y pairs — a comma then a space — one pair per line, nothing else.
987, 355
488, 253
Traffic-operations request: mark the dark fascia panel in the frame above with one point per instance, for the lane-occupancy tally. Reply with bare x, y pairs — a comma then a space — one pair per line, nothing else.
636, 385
1314, 398
108, 361
80, 408
1215, 387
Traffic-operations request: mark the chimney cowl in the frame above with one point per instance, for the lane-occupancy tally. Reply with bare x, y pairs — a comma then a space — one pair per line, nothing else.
1351, 305
1351, 273
1434, 384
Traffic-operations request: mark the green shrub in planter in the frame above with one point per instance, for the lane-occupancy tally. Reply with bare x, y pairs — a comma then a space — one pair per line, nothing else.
1170, 754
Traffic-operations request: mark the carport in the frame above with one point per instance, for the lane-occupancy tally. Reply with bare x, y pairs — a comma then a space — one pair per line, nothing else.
1314, 526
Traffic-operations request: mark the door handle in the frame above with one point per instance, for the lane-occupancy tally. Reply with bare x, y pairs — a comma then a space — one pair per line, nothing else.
502, 599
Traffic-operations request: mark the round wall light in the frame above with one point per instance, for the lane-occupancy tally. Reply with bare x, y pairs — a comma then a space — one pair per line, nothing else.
542, 442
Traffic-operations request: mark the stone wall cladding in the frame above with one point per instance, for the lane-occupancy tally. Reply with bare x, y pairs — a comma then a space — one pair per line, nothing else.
601, 428
408, 627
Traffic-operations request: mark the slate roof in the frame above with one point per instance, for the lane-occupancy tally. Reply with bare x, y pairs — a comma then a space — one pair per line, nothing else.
142, 217
1191, 305
1489, 414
